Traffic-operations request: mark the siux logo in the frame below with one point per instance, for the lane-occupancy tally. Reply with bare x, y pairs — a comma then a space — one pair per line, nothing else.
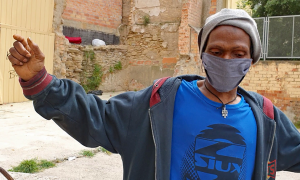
211, 163
219, 156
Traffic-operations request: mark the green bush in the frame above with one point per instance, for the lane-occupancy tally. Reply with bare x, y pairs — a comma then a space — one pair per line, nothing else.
297, 124
102, 149
95, 80
118, 66
87, 153
146, 20
44, 164
26, 166
89, 55
111, 69
32, 166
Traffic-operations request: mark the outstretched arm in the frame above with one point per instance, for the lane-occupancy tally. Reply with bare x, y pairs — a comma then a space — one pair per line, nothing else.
87, 118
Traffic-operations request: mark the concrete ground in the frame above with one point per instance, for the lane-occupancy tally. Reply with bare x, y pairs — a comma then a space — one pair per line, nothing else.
25, 135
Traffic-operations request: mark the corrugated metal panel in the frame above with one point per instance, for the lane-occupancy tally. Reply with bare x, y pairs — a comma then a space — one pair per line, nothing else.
36, 15
11, 91
29, 18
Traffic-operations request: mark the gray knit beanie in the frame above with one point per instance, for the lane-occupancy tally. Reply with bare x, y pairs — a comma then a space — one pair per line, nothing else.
234, 17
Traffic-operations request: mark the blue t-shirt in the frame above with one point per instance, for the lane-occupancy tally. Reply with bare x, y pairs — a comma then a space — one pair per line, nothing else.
207, 146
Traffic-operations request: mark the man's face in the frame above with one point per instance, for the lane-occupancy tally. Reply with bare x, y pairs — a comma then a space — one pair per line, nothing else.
229, 42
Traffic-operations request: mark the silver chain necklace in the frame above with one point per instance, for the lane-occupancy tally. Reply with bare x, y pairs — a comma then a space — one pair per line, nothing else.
224, 110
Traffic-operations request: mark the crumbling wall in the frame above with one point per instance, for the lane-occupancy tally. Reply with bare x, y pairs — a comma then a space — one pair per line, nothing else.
150, 30
69, 58
189, 60
60, 43
80, 66
160, 39
152, 52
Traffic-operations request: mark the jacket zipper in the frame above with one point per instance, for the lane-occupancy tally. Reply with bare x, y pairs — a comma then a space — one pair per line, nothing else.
270, 150
153, 141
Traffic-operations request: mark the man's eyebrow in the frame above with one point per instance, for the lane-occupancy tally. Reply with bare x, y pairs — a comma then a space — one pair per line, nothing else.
244, 47
214, 46
241, 46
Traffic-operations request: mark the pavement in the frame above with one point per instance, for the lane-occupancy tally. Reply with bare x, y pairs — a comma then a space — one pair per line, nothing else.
25, 135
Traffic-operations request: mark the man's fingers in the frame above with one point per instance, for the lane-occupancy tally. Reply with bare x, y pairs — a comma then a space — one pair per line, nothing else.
35, 49
24, 43
14, 61
18, 51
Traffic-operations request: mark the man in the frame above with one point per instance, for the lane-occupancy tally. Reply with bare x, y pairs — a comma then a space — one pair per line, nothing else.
195, 128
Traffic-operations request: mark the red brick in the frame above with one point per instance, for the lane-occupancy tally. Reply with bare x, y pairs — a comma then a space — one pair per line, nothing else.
169, 60
140, 62
169, 65
148, 62
94, 10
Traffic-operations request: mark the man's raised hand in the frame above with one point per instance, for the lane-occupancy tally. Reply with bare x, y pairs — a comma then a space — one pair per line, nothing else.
26, 57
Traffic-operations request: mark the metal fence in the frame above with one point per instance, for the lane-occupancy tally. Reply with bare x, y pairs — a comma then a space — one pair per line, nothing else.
280, 37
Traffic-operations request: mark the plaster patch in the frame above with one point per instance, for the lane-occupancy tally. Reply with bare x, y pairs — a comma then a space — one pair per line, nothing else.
146, 3
165, 44
170, 27
152, 11
137, 28
150, 7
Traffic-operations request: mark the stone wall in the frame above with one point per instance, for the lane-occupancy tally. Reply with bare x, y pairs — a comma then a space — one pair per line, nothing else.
152, 52
152, 46
280, 82
98, 15
167, 41
60, 42
154, 49
62, 9
80, 66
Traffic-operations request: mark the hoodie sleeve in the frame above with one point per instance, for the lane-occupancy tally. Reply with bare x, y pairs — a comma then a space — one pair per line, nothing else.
288, 137
286, 145
91, 121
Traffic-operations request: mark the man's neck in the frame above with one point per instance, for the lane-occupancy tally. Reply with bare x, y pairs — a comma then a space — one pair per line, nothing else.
225, 97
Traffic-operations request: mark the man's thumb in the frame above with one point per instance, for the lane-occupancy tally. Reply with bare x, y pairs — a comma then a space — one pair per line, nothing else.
34, 48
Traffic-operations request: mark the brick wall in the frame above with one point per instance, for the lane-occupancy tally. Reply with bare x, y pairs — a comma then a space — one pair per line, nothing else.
191, 15
280, 82
195, 12
213, 7
152, 53
93, 13
152, 48
189, 62
184, 30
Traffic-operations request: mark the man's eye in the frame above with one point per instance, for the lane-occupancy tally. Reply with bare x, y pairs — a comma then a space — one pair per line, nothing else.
239, 55
215, 52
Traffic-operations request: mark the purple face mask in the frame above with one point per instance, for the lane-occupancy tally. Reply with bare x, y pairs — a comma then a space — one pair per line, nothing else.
225, 74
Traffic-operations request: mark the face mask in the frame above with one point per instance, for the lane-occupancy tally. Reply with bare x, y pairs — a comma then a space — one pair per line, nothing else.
225, 74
